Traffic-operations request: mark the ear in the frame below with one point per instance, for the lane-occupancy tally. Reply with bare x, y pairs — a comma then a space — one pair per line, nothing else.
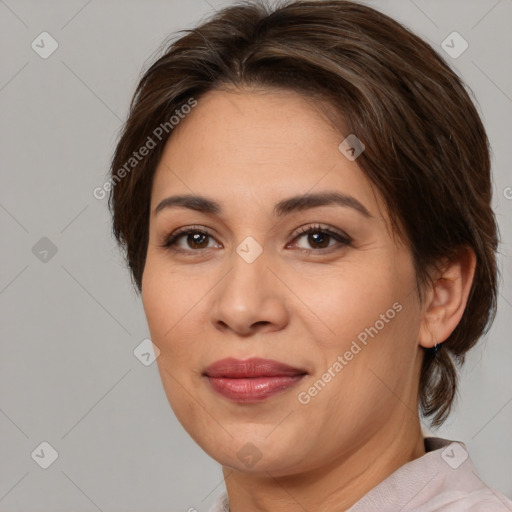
447, 297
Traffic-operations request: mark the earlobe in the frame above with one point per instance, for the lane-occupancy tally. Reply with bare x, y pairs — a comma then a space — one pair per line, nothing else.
447, 298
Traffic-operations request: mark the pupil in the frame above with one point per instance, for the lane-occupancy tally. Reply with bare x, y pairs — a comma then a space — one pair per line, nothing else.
319, 238
196, 239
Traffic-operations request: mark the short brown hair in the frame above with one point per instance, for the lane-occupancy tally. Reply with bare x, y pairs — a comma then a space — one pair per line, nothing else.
427, 151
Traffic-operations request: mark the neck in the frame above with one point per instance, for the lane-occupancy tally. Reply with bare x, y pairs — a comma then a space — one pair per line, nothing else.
334, 487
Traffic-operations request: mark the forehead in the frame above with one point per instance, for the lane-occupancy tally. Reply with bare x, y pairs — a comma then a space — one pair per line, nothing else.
257, 146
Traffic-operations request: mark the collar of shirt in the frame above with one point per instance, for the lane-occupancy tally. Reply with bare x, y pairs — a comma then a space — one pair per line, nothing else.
442, 480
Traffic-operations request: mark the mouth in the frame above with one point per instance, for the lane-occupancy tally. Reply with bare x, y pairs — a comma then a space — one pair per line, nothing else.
231, 368
252, 380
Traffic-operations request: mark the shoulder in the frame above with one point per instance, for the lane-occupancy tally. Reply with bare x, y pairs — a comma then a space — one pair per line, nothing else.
459, 487
442, 480
481, 500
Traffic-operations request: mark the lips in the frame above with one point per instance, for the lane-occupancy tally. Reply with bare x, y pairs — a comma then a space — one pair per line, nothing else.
252, 380
231, 368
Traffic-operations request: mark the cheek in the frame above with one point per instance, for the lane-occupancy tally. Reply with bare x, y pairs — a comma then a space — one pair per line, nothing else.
165, 293
163, 301
373, 362
351, 300
174, 305
372, 315
156, 297
168, 306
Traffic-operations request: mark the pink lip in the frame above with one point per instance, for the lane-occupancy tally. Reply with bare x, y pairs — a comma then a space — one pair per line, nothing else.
251, 380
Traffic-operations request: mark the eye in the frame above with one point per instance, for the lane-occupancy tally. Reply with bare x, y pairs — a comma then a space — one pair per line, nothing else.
195, 239
320, 238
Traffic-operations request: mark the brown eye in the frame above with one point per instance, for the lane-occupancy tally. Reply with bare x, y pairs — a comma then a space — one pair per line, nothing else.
188, 240
197, 240
320, 238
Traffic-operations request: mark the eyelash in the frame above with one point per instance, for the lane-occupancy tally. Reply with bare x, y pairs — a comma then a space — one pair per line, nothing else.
341, 238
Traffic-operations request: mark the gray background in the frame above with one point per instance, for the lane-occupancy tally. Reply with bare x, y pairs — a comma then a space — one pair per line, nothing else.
69, 325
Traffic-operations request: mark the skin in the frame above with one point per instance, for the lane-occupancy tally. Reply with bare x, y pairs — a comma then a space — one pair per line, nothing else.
247, 150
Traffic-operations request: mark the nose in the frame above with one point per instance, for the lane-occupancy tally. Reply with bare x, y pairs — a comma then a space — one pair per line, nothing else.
250, 299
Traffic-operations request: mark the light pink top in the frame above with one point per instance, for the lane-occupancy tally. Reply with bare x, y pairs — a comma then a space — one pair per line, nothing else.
442, 480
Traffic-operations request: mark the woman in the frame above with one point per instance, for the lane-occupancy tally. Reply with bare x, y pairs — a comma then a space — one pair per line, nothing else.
303, 194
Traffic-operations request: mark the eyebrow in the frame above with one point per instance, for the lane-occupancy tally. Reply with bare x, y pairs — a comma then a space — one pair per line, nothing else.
285, 207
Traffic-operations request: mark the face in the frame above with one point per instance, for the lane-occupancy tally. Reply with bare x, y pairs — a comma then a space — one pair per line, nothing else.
319, 285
